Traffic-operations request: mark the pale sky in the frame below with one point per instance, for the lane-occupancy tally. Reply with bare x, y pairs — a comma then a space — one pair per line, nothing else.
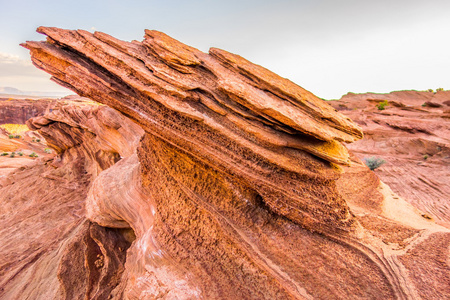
329, 47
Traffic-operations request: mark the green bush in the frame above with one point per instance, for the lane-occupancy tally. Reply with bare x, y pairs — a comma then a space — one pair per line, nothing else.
17, 136
439, 90
430, 90
12, 154
20, 153
11, 136
373, 162
38, 140
382, 105
4, 154
33, 154
48, 150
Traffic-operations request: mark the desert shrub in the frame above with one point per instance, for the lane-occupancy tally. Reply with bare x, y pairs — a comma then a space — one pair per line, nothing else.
47, 150
382, 105
439, 90
17, 136
20, 153
12, 154
11, 136
430, 90
4, 154
38, 140
373, 162
33, 154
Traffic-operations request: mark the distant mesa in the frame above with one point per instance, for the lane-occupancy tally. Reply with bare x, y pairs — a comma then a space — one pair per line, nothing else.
11, 91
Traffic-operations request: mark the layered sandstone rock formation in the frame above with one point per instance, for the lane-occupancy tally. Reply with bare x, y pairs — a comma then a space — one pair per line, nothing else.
235, 190
412, 134
49, 249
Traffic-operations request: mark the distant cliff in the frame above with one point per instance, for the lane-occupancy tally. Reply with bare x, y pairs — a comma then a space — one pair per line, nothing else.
20, 110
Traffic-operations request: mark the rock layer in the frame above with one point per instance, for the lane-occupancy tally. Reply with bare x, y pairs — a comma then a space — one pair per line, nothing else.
236, 192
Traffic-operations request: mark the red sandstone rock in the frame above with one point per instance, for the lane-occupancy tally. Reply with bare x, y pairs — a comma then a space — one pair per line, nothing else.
414, 138
187, 91
235, 192
49, 249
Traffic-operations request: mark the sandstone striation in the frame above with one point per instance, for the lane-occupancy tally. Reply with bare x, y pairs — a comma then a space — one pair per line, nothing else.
236, 190
49, 248
219, 103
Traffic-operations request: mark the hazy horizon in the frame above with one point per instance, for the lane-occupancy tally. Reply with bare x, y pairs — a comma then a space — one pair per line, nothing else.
326, 47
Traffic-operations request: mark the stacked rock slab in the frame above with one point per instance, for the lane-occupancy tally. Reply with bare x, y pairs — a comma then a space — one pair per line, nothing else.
234, 116
238, 168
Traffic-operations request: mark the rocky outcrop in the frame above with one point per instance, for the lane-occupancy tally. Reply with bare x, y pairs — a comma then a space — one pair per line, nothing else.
235, 190
412, 133
49, 248
243, 110
87, 131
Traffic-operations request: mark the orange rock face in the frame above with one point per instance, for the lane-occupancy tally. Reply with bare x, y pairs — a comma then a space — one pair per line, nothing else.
49, 248
236, 190
219, 103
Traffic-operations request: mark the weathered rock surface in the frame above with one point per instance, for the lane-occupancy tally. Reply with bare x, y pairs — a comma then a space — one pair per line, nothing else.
234, 192
219, 103
412, 134
49, 248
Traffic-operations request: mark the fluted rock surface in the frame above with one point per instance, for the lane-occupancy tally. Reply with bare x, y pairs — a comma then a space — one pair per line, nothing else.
233, 193
50, 250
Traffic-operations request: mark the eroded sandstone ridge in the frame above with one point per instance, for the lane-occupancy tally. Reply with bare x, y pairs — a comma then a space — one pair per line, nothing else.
234, 192
219, 108
49, 248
